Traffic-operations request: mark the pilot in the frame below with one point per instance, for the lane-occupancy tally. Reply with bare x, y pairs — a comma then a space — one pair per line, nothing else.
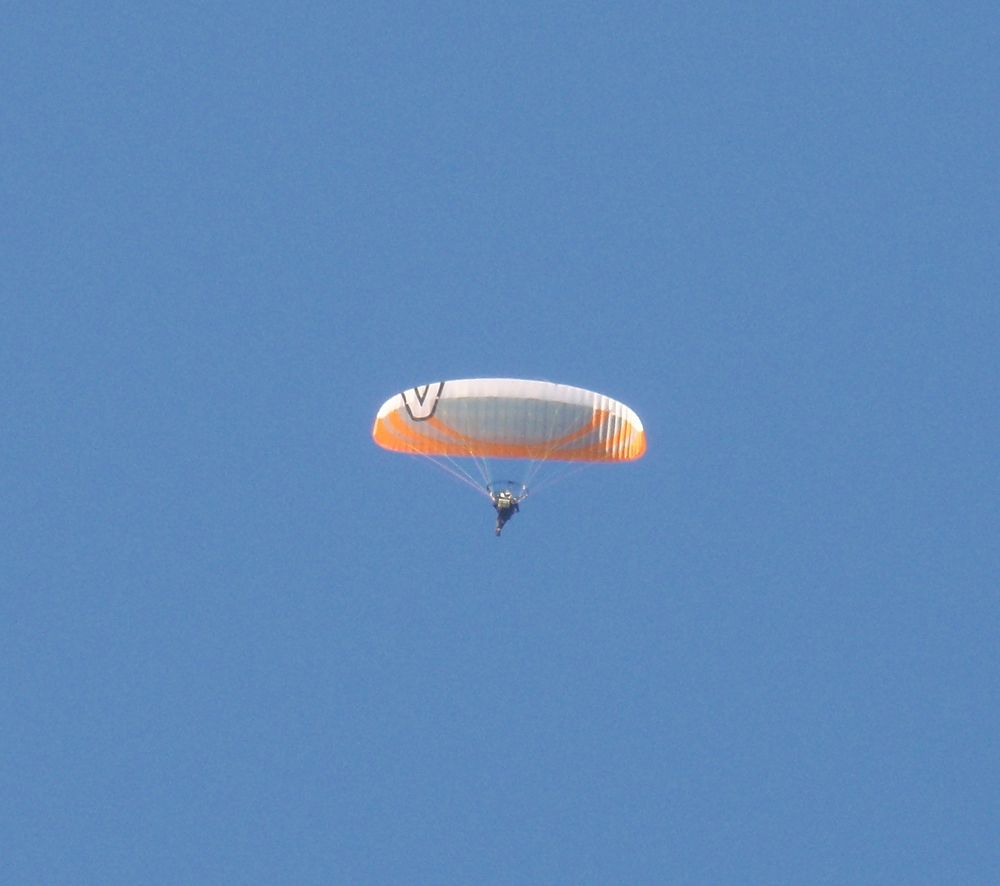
505, 505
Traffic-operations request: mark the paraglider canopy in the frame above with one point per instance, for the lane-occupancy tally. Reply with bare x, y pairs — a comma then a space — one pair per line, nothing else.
509, 418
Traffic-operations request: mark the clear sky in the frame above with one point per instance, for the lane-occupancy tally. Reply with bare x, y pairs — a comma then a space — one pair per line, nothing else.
239, 643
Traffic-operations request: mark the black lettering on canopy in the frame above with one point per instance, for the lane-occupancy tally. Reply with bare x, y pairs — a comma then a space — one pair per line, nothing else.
420, 402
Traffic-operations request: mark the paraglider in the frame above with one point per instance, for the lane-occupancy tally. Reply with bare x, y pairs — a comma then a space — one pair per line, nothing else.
530, 422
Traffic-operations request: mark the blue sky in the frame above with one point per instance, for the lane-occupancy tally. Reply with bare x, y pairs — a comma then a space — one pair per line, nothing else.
240, 643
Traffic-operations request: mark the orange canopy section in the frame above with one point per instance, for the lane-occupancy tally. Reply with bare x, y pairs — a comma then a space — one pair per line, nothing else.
509, 418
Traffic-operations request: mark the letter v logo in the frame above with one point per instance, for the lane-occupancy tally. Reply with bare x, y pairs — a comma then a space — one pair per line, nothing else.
421, 402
